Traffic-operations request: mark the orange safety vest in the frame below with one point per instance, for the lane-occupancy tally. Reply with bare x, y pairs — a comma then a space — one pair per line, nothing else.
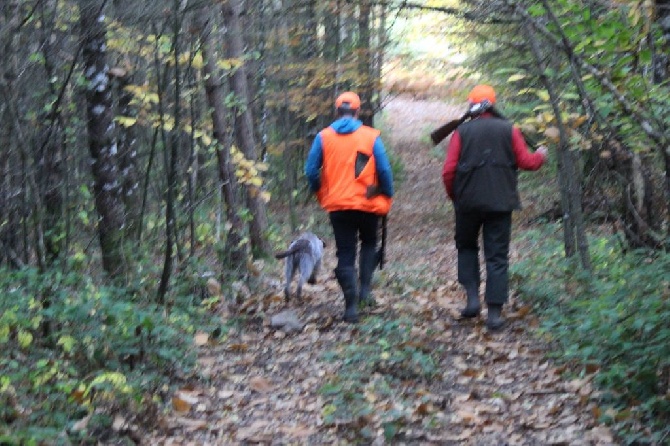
340, 188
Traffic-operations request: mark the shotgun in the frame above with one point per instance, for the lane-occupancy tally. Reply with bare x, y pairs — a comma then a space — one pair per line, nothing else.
381, 252
439, 134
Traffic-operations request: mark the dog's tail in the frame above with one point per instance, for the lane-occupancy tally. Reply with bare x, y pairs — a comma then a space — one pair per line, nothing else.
300, 245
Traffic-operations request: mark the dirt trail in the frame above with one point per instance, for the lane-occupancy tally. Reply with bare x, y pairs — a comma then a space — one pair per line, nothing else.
261, 386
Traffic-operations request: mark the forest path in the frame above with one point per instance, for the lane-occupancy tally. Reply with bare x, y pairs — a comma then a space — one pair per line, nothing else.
334, 383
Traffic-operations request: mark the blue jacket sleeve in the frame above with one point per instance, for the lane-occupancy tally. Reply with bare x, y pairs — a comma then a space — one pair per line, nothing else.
384, 172
313, 164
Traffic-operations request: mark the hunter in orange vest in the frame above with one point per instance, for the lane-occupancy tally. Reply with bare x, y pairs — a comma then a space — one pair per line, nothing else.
349, 171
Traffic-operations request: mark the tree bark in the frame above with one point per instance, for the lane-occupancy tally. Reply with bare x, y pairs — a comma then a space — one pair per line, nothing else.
244, 126
571, 192
366, 89
102, 147
236, 248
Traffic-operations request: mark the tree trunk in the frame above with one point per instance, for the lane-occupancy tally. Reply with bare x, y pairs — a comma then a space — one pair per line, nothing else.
244, 126
102, 147
366, 89
661, 57
130, 184
236, 248
571, 193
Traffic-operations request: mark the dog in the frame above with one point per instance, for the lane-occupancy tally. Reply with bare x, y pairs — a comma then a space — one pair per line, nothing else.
304, 256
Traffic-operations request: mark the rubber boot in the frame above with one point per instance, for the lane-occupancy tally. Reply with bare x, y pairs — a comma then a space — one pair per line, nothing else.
367, 262
472, 307
495, 320
346, 277
468, 277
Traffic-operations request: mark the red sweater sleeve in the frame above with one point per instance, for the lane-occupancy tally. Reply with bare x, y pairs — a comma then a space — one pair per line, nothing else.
524, 158
450, 163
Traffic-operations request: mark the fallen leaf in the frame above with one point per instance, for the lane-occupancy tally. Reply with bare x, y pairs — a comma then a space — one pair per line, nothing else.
201, 339
180, 405
260, 384
192, 424
213, 287
238, 348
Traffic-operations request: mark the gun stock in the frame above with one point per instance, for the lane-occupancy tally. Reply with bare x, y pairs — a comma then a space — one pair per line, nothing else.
439, 134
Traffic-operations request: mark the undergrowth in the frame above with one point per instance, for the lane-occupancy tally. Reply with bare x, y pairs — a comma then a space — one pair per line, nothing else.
73, 350
614, 321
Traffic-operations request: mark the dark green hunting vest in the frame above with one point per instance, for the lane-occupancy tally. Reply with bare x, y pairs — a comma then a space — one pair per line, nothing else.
486, 176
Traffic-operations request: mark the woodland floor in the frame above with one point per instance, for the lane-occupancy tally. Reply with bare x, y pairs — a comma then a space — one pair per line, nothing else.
259, 385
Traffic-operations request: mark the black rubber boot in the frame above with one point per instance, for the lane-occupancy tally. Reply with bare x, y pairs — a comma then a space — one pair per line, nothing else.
472, 308
367, 262
346, 277
495, 320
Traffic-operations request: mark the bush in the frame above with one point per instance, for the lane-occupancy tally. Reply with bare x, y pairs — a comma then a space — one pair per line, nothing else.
615, 321
71, 347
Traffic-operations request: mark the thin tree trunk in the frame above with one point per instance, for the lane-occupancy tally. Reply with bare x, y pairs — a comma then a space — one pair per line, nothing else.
244, 127
366, 88
128, 155
571, 194
170, 159
102, 147
236, 248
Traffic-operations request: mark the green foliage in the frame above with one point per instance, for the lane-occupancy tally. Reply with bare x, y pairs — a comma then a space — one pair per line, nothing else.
615, 320
71, 347
379, 362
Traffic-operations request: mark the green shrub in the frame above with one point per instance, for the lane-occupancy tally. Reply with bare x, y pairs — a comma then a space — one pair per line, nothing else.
615, 320
70, 347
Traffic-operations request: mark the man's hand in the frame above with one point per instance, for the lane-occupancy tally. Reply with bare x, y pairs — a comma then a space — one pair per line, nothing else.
543, 150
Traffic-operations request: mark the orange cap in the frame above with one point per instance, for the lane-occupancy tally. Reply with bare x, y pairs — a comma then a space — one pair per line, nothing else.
348, 97
482, 93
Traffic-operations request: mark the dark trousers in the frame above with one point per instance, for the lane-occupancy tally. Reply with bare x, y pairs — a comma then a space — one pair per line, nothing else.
496, 228
348, 228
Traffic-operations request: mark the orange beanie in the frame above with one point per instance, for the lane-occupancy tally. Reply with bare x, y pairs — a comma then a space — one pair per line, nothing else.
482, 93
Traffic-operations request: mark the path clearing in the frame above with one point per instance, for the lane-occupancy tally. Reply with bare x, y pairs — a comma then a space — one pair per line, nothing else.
261, 386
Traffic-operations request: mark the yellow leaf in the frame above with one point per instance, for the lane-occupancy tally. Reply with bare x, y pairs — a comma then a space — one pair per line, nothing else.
198, 62
206, 140
126, 121
152, 98
542, 94
67, 342
25, 338
552, 133
256, 181
516, 77
579, 121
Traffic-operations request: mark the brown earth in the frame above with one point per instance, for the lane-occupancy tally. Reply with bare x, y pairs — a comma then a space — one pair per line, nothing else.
258, 385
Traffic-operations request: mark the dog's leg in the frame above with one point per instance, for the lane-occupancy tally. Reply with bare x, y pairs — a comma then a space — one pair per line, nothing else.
315, 271
288, 274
